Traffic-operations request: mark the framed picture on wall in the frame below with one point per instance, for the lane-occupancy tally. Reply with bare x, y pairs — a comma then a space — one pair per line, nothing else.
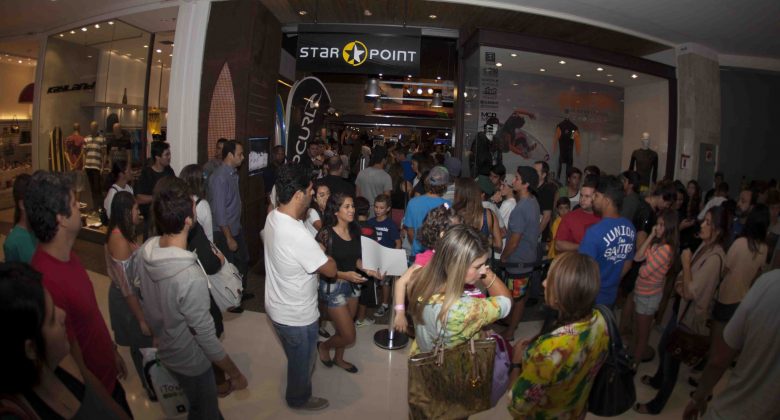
259, 150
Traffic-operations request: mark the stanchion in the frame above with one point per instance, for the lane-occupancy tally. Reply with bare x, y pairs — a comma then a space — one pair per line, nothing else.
390, 339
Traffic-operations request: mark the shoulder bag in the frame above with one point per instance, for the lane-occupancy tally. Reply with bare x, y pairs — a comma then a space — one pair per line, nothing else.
613, 391
451, 383
225, 286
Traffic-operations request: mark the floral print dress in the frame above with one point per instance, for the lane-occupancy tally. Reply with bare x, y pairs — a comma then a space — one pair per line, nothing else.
558, 371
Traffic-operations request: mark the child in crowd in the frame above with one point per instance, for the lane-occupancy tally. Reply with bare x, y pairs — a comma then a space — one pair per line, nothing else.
362, 207
388, 235
562, 206
434, 226
657, 252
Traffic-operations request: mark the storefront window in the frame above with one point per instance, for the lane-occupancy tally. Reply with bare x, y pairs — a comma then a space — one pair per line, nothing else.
564, 111
17, 74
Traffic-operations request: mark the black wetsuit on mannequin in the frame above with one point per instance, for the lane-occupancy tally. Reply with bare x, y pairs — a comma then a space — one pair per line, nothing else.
645, 162
567, 130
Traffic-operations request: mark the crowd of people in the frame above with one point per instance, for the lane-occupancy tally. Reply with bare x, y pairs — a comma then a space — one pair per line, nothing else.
480, 249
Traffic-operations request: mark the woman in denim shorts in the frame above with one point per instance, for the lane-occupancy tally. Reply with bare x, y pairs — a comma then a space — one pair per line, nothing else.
340, 238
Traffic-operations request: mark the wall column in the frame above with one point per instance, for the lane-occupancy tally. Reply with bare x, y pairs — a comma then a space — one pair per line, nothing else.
698, 88
184, 91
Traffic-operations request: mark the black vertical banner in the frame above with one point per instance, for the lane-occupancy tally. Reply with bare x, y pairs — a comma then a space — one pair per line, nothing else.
306, 106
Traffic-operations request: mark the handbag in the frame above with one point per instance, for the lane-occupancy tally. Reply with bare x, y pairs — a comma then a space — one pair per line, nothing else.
369, 293
501, 369
225, 286
685, 345
613, 391
451, 383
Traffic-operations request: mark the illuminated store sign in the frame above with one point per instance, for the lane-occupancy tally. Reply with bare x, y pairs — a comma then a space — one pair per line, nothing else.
394, 51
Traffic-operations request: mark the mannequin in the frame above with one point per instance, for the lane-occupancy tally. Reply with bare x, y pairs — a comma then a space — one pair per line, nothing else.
567, 135
645, 161
95, 162
119, 147
74, 149
486, 154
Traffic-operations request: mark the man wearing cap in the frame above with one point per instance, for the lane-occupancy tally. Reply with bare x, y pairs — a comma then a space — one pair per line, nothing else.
373, 180
519, 254
418, 207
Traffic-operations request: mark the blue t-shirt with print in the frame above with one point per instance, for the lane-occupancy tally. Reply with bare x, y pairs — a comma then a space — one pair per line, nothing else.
611, 242
386, 231
416, 211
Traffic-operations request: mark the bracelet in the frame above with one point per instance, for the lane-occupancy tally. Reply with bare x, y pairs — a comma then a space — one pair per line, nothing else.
491, 283
400, 307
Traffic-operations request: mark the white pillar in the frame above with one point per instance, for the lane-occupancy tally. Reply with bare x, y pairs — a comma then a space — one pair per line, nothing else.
184, 91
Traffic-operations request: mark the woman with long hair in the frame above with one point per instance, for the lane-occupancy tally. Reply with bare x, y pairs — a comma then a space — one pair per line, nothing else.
421, 166
35, 343
340, 238
127, 318
437, 302
20, 243
694, 198
553, 373
468, 204
656, 256
695, 285
119, 178
316, 211
193, 176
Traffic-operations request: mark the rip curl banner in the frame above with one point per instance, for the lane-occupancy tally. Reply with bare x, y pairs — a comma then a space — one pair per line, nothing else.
306, 106
345, 49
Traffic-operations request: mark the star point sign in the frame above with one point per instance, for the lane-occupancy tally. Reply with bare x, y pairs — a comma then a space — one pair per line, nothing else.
355, 53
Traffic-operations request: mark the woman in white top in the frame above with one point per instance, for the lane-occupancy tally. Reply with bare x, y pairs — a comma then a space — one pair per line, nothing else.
193, 176
120, 177
313, 220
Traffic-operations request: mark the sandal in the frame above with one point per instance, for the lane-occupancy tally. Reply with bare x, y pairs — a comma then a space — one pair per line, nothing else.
327, 363
643, 409
648, 380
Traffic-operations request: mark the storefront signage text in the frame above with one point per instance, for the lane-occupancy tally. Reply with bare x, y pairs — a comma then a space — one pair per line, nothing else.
68, 88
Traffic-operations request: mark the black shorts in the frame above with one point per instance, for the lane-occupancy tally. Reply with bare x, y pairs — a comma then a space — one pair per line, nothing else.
722, 312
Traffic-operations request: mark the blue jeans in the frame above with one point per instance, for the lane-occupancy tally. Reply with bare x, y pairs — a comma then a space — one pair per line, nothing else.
201, 392
300, 347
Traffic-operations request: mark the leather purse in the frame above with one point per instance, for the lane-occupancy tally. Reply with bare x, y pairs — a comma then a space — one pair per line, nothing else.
686, 345
451, 383
613, 392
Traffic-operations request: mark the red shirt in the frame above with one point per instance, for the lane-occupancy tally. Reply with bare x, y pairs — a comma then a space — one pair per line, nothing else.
574, 225
71, 290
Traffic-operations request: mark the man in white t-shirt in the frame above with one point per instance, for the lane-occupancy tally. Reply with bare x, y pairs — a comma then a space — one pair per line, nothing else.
751, 334
293, 260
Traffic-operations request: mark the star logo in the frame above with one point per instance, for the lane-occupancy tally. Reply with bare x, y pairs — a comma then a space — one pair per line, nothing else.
355, 53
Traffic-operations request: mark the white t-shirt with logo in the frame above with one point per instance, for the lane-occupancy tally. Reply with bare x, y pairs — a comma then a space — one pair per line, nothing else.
292, 257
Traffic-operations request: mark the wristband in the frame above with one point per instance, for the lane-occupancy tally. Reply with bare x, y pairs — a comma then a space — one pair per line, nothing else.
491, 283
399, 307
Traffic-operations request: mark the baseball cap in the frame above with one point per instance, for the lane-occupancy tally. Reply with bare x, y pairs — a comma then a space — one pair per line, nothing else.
528, 175
439, 175
485, 185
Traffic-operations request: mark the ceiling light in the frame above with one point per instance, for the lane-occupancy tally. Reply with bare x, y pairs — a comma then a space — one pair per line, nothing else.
61, 35
128, 54
302, 12
409, 76
579, 75
378, 104
84, 29
561, 62
634, 76
499, 64
110, 22
465, 94
372, 88
513, 55
432, 16
367, 12
599, 69
89, 56
97, 26
436, 102
514, 84
542, 69
430, 91
609, 75
170, 55
72, 31
380, 74
611, 81
159, 61
419, 91
438, 77
20, 61
594, 92
158, 51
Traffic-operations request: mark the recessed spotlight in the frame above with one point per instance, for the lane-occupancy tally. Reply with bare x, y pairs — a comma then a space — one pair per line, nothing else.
409, 76
380, 74
302, 12
128, 54
611, 81
634, 76
89, 56
609, 75
61, 35
170, 55
367, 12
158, 51
578, 75
97, 26
430, 91
465, 94
499, 64
419, 91
599, 69
146, 46
84, 29
594, 92
159, 61
432, 16
561, 62
438, 77
513, 55
20, 61
542, 69
72, 32
110, 22
514, 84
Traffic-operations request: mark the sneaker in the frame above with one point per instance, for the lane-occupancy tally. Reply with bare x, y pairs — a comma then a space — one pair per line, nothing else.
381, 311
363, 323
314, 404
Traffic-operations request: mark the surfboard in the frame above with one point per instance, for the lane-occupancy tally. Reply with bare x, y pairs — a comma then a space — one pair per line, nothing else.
280, 130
